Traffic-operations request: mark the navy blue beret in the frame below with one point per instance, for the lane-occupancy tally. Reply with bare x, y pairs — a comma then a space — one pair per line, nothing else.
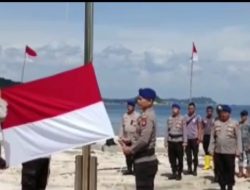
244, 113
176, 106
226, 108
131, 103
219, 107
147, 93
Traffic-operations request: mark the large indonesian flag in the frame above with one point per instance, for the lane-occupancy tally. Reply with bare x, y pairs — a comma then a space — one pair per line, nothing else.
54, 114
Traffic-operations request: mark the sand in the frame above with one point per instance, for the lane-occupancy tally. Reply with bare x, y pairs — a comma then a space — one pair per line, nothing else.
110, 162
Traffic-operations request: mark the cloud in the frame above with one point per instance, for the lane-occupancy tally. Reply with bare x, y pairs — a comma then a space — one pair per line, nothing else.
50, 60
130, 58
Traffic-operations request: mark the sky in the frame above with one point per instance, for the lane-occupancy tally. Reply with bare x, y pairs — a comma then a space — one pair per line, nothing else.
136, 45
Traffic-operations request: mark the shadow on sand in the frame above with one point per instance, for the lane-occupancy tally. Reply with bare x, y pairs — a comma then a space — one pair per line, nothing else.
210, 178
166, 174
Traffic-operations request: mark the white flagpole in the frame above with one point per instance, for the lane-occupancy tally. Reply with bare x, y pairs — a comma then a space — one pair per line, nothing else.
24, 63
191, 79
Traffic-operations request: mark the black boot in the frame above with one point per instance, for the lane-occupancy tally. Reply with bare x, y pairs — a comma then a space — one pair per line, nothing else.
229, 187
222, 187
216, 179
179, 177
189, 172
128, 172
172, 176
195, 171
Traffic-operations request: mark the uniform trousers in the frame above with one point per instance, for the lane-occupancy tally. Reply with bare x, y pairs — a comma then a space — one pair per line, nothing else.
215, 169
145, 174
192, 151
2, 163
206, 140
130, 162
225, 165
243, 156
35, 174
175, 155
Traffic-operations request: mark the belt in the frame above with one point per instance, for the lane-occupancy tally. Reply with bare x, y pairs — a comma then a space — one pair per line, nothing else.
148, 152
175, 136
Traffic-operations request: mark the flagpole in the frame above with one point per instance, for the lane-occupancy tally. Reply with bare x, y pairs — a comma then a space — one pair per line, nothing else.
88, 41
89, 163
191, 80
23, 69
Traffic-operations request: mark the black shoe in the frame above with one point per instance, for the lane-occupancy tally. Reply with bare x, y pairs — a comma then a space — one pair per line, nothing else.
194, 173
173, 176
128, 172
222, 187
189, 172
179, 177
216, 180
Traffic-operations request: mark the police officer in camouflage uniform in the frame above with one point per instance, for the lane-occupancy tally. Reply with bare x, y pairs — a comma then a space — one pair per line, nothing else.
194, 135
128, 132
176, 140
143, 148
207, 123
225, 145
245, 135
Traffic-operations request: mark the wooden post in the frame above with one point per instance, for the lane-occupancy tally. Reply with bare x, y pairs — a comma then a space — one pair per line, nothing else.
93, 173
78, 172
85, 167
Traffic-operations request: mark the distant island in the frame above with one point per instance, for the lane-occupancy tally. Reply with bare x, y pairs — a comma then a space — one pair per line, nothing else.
170, 101
7, 83
159, 101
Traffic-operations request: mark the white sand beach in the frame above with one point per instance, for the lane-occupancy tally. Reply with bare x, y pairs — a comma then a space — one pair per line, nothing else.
110, 162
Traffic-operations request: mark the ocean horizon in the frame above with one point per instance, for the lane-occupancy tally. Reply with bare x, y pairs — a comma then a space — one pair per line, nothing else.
116, 111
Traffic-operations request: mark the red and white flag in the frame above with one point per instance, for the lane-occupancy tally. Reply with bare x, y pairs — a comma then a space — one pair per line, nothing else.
53, 114
31, 53
194, 53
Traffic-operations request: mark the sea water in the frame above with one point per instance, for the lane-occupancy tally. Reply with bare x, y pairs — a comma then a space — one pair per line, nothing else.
115, 112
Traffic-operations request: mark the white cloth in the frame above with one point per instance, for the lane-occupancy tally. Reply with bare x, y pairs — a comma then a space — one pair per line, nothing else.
3, 109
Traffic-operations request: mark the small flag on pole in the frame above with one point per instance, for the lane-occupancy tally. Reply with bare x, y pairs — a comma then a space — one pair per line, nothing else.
30, 52
194, 53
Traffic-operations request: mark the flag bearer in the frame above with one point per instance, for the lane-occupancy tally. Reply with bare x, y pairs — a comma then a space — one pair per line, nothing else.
194, 135
245, 135
207, 124
225, 144
176, 140
143, 149
128, 132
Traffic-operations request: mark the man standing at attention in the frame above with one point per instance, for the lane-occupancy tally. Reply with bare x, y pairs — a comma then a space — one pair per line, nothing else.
128, 132
218, 112
225, 144
176, 140
143, 148
245, 136
207, 124
194, 135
